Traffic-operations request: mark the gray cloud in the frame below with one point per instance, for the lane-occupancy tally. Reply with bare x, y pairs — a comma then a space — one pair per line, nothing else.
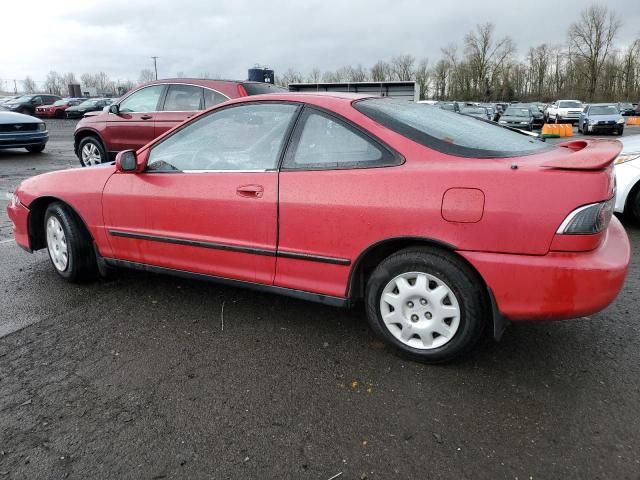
225, 38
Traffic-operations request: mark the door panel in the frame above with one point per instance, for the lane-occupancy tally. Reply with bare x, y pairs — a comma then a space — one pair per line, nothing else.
196, 222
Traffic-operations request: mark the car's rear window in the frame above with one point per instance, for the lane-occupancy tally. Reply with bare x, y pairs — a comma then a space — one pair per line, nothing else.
260, 88
449, 132
569, 104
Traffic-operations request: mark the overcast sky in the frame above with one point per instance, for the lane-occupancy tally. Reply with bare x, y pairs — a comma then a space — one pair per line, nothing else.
224, 38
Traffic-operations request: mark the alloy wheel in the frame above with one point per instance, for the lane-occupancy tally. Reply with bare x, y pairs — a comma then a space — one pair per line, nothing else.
91, 154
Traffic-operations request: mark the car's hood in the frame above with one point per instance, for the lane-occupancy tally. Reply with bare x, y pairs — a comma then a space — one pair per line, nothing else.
14, 117
93, 113
630, 144
605, 118
77, 108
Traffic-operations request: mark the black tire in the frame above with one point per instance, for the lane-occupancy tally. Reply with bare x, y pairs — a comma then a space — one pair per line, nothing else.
59, 114
81, 259
455, 274
632, 210
35, 149
557, 119
91, 140
24, 111
621, 131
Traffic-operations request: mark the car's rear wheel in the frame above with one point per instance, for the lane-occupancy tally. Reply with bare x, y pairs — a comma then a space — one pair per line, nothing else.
633, 205
59, 114
35, 149
91, 152
426, 304
69, 244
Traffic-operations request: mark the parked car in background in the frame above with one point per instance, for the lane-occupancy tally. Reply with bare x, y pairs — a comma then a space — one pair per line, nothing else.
7, 99
627, 171
58, 108
476, 111
18, 130
449, 106
27, 104
150, 110
516, 116
626, 108
601, 117
263, 193
564, 111
90, 105
536, 112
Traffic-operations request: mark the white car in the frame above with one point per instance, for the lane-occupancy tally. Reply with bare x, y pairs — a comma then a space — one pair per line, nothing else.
627, 171
564, 111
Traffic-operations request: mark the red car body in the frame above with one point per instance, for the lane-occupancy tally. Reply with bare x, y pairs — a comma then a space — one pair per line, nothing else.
57, 111
316, 233
132, 130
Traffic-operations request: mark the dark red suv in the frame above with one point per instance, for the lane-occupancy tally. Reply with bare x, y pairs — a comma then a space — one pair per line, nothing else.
150, 110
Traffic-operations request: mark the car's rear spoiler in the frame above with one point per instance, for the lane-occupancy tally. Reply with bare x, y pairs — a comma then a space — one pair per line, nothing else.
587, 155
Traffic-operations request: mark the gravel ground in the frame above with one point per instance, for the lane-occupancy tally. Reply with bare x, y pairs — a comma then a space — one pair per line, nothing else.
150, 377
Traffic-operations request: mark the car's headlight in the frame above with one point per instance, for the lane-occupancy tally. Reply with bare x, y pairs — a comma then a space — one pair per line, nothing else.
626, 157
524, 123
589, 219
593, 122
620, 120
42, 127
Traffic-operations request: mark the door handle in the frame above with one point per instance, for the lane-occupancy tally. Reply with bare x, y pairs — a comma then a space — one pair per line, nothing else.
146, 117
250, 191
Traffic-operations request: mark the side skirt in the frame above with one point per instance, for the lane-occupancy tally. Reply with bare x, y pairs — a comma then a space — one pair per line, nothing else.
313, 297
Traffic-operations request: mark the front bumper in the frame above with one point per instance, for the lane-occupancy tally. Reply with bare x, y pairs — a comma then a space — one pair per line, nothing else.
558, 285
614, 127
21, 140
19, 216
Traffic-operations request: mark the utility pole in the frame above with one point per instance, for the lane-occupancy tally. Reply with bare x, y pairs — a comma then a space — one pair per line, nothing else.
15, 87
155, 65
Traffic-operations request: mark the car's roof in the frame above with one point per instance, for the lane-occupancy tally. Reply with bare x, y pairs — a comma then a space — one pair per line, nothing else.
602, 104
313, 96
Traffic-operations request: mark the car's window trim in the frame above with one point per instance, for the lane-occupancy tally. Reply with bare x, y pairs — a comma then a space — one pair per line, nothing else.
217, 108
396, 159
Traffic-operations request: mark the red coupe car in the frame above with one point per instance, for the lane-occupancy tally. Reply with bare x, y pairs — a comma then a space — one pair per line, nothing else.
443, 225
58, 108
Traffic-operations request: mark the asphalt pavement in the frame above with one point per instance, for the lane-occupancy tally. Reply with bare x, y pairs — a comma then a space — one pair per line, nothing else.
148, 377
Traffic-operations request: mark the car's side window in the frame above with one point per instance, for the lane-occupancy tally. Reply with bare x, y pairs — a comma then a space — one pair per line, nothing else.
183, 98
211, 98
144, 100
321, 141
241, 137
36, 100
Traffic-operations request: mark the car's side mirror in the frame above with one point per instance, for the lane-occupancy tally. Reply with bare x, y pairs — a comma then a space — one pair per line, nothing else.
114, 109
128, 161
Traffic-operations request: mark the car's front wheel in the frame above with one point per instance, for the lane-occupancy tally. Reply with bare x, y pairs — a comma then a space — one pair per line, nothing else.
69, 244
91, 152
426, 304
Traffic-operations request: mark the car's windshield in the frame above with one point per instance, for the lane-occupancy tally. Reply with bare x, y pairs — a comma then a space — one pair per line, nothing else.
88, 103
569, 104
58, 103
24, 98
448, 132
447, 106
603, 110
626, 105
517, 112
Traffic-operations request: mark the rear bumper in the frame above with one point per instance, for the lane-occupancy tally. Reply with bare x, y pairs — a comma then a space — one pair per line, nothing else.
19, 216
558, 285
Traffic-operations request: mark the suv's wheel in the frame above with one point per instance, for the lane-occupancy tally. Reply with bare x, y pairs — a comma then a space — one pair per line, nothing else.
90, 152
557, 119
426, 304
633, 205
69, 244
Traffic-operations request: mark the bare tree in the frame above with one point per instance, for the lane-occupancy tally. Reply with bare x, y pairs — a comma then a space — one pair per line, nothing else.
423, 78
591, 40
54, 83
402, 67
28, 85
630, 67
314, 76
486, 57
147, 75
380, 72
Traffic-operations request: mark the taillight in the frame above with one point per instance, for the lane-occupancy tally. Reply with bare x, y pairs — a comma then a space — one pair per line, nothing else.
589, 219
